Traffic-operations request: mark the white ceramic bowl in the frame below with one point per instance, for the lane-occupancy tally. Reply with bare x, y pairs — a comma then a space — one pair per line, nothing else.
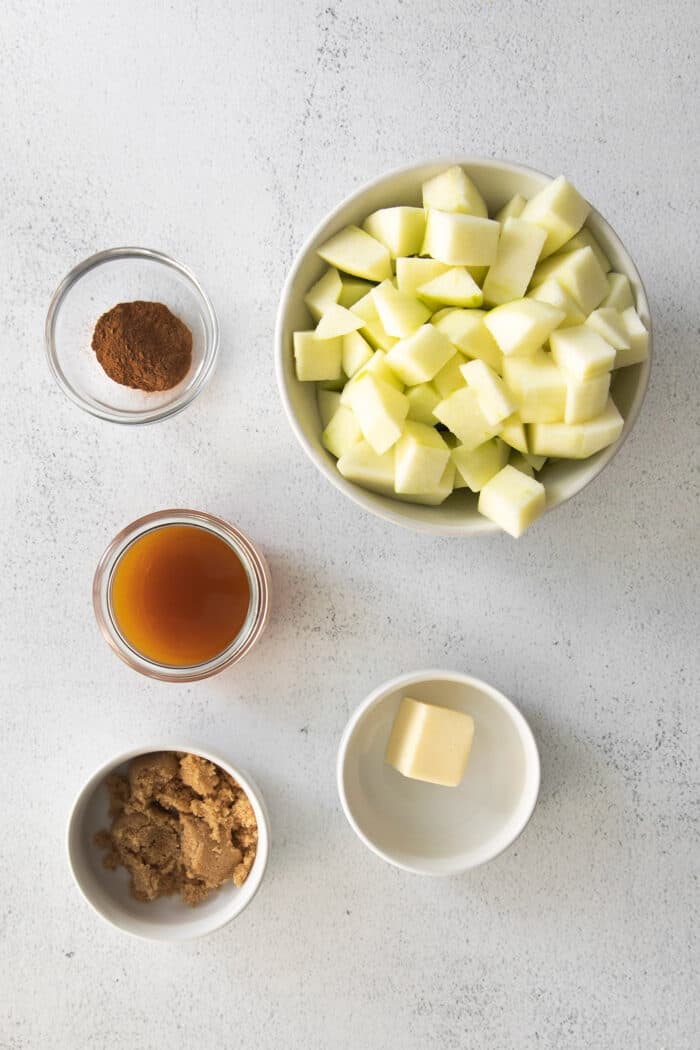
168, 919
426, 828
498, 182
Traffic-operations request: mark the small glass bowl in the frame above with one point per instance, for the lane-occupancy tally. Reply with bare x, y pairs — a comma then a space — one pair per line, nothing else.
258, 578
96, 285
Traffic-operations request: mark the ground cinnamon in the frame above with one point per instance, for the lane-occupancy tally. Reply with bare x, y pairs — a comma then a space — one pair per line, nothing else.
143, 345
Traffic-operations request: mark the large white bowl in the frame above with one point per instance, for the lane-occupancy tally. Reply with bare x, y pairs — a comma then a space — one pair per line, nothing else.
498, 182
425, 828
167, 919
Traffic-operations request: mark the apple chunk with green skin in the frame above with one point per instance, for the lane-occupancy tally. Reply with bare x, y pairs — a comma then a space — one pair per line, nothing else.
581, 352
324, 293
337, 321
461, 414
353, 251
401, 314
315, 358
479, 465
580, 274
560, 210
380, 410
495, 400
420, 357
456, 287
412, 273
400, 229
342, 432
576, 440
461, 240
466, 330
521, 327
519, 249
420, 459
453, 190
538, 385
512, 500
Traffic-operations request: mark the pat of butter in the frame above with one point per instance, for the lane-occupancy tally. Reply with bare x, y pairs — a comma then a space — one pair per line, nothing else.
430, 743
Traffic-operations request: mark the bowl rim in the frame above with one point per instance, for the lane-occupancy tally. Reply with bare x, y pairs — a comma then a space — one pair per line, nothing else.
371, 501
123, 416
411, 678
163, 931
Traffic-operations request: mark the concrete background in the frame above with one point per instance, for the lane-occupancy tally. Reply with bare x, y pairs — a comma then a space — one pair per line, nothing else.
221, 132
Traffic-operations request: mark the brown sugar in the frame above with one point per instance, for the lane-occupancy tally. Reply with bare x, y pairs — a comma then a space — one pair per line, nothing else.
179, 825
143, 345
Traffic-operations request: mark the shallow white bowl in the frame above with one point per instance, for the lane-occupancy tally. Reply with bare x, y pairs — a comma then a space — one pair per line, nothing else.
426, 828
498, 182
168, 919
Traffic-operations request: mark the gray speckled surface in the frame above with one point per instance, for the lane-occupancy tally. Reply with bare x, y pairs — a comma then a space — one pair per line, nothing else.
220, 133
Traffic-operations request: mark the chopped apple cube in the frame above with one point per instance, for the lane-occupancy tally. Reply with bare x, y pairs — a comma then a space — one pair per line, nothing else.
450, 378
343, 431
585, 239
513, 433
456, 287
610, 325
477, 466
337, 321
324, 293
380, 410
421, 356
521, 327
412, 273
400, 229
519, 248
495, 400
536, 462
317, 358
422, 399
453, 190
354, 251
538, 385
466, 330
328, 402
620, 295
376, 366
581, 352
580, 274
369, 469
420, 459
513, 500
372, 328
638, 338
513, 209
354, 288
356, 353
576, 440
461, 240
401, 314
550, 291
461, 413
560, 210
435, 496
585, 398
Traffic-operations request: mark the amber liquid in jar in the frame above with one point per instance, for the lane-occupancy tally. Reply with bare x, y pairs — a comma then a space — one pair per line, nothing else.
179, 595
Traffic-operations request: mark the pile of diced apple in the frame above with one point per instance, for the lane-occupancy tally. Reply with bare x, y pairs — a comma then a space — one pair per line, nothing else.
457, 351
